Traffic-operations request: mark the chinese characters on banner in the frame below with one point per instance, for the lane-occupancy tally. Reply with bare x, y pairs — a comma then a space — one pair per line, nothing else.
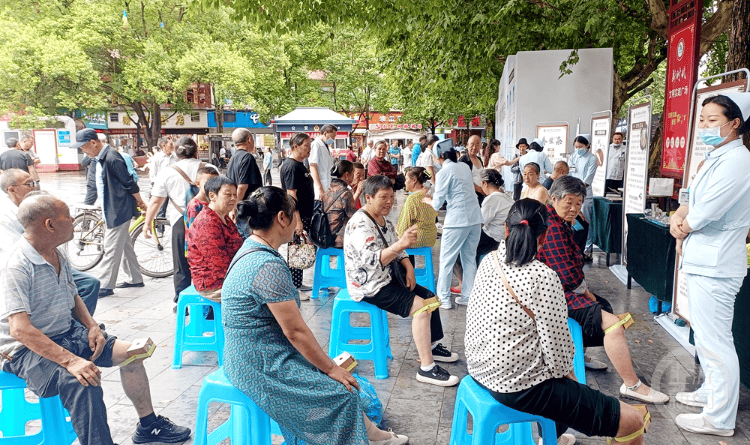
682, 71
555, 138
636, 168
600, 147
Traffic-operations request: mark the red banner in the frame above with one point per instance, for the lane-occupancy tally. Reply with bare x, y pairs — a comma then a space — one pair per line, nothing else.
682, 72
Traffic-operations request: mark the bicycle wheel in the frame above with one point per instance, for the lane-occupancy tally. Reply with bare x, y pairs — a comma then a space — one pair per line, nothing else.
86, 249
154, 254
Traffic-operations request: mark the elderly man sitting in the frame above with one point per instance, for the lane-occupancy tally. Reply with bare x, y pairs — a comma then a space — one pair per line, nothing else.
40, 344
594, 314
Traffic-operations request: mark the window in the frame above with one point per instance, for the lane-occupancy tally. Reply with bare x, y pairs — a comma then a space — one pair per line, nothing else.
230, 117
114, 117
195, 117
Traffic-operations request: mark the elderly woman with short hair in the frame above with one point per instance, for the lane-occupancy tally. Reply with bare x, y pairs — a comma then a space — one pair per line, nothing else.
533, 188
600, 326
379, 165
370, 246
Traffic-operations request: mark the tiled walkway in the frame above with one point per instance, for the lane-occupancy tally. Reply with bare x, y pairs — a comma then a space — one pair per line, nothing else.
421, 411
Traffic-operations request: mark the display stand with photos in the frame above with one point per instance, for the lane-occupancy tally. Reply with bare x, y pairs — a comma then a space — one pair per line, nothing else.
555, 138
636, 173
601, 124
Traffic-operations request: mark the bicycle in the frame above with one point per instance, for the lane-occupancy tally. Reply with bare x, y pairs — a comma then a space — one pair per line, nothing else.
86, 249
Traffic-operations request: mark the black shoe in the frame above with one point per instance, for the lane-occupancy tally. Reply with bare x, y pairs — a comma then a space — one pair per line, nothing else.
437, 376
126, 285
588, 257
105, 292
441, 354
163, 430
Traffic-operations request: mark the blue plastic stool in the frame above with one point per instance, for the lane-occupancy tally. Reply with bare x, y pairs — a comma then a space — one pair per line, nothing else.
425, 276
487, 414
191, 337
324, 275
579, 368
17, 411
378, 349
247, 423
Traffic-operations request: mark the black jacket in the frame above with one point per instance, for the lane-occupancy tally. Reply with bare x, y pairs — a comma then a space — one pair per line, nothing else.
118, 201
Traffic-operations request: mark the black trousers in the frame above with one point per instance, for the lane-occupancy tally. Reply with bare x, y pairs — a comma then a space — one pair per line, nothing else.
486, 245
396, 299
517, 191
182, 278
569, 404
297, 273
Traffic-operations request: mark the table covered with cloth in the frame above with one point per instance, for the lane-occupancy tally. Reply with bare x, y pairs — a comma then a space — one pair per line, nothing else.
651, 256
607, 225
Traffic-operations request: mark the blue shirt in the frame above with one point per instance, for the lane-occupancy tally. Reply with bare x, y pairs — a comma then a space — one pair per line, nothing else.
540, 159
454, 185
394, 151
415, 152
585, 169
719, 214
131, 166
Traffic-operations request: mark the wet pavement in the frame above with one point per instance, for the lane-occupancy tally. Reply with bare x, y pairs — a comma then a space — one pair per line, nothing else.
421, 411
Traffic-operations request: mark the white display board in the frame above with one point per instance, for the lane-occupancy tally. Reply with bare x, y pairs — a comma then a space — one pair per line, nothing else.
555, 137
46, 146
696, 153
600, 128
636, 167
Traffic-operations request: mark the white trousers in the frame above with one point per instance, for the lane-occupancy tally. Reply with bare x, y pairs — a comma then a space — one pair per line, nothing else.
117, 246
711, 303
455, 240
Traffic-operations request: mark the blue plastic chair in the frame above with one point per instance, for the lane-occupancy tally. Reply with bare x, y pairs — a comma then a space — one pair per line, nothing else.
16, 411
342, 332
425, 276
200, 334
488, 414
579, 368
325, 277
247, 423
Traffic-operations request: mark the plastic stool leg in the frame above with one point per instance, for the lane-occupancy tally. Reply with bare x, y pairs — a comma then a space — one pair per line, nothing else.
179, 336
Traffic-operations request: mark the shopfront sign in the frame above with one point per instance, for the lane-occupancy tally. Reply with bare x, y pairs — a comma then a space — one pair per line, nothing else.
389, 126
312, 134
682, 72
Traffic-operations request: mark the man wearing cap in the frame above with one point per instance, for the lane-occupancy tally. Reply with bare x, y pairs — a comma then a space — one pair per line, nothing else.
16, 157
120, 198
515, 168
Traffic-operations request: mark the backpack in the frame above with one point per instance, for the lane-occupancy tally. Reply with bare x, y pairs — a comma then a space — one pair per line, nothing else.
320, 229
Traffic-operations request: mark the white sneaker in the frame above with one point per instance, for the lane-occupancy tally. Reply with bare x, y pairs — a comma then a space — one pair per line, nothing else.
696, 398
462, 301
593, 364
446, 304
696, 423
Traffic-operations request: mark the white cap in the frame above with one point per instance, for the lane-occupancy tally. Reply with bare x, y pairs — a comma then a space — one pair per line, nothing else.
539, 141
743, 102
585, 135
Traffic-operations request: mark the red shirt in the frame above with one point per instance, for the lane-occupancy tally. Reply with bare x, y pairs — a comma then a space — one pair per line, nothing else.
561, 253
211, 245
383, 167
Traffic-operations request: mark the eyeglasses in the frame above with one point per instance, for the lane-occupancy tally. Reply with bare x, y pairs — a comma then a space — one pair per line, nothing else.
32, 184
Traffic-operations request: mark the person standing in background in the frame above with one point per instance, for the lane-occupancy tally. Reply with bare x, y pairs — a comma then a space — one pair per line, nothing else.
267, 166
243, 169
615, 163
320, 159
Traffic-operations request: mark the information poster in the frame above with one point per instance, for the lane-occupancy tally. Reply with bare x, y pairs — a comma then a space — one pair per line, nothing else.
600, 127
636, 167
555, 138
696, 153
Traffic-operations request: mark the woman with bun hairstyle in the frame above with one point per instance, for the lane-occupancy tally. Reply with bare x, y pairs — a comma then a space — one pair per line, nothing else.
338, 201
527, 362
270, 353
417, 212
710, 232
495, 209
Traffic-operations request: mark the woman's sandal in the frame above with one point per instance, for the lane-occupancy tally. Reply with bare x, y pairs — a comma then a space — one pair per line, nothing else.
639, 432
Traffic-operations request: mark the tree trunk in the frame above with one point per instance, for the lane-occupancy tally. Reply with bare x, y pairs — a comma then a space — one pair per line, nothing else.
219, 120
739, 42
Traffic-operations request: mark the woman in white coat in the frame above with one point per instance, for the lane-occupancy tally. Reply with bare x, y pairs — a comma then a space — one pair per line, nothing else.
710, 234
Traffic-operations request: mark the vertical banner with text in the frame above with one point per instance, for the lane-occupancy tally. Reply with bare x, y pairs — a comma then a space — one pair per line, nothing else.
636, 167
682, 72
600, 127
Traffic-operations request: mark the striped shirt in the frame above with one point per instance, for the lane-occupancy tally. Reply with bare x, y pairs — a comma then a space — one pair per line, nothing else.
30, 284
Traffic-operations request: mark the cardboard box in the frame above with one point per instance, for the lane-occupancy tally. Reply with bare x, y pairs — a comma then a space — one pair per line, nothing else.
346, 361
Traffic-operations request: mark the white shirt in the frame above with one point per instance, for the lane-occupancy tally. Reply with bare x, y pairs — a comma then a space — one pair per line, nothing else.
495, 208
427, 159
160, 161
616, 162
169, 183
407, 156
366, 156
10, 228
320, 155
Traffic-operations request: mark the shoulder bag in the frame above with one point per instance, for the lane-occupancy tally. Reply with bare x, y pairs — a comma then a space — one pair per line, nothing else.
320, 229
300, 253
510, 289
398, 272
192, 191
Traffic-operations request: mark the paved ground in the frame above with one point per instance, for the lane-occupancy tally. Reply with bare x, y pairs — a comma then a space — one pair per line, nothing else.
421, 411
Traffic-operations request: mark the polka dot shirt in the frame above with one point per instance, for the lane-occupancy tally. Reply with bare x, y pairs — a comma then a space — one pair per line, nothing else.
506, 350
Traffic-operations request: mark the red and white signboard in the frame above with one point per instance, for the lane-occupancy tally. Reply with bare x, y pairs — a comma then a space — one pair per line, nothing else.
682, 72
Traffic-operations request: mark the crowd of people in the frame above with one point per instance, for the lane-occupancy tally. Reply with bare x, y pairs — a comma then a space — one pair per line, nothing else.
516, 253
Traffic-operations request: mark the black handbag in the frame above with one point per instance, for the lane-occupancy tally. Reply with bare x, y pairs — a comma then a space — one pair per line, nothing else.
320, 229
398, 271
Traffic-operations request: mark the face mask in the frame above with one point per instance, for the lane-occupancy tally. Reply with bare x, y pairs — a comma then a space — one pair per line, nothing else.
712, 136
329, 141
581, 151
617, 145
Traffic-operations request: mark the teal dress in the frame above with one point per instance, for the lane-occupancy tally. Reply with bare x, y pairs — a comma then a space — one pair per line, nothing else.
309, 406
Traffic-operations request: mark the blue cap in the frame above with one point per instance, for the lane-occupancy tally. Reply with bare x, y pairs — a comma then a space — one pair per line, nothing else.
84, 136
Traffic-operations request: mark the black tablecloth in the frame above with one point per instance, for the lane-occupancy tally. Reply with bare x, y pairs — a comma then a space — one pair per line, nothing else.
607, 225
651, 256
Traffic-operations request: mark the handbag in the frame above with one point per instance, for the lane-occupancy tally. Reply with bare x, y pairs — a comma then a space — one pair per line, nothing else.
510, 289
320, 229
397, 270
300, 253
